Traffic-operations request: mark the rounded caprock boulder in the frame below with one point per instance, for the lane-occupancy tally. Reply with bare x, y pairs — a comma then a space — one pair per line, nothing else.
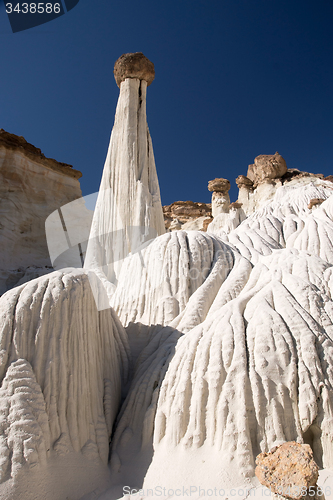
134, 65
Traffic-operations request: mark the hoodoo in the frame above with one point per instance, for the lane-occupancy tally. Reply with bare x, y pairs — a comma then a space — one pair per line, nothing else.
220, 197
128, 210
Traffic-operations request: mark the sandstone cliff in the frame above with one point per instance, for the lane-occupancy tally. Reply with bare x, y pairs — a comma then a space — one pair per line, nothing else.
31, 188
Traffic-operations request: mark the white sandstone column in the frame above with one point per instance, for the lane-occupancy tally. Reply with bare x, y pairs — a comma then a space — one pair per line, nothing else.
128, 211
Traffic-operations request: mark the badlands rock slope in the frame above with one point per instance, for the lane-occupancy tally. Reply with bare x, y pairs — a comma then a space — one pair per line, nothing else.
245, 362
215, 346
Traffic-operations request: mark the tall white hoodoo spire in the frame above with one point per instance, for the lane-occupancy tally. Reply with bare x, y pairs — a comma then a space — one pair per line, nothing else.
128, 210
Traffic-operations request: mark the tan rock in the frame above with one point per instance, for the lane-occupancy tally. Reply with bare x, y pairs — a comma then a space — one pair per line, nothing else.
17, 143
206, 223
293, 174
219, 185
174, 225
314, 202
134, 65
189, 209
267, 167
288, 470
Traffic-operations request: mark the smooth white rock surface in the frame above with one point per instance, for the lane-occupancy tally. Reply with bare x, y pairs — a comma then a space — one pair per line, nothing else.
63, 365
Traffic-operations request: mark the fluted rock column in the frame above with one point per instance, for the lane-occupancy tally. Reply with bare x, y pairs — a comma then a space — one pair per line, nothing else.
128, 210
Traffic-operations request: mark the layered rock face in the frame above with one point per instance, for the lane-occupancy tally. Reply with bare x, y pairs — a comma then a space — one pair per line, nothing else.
31, 188
187, 215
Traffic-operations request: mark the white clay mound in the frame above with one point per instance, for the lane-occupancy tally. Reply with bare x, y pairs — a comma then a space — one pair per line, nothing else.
63, 365
252, 365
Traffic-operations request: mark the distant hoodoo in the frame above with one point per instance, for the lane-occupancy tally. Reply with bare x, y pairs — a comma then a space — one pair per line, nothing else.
220, 196
134, 65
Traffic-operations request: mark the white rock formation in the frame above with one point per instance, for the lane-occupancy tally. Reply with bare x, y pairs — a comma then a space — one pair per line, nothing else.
220, 343
181, 271
63, 365
246, 361
31, 187
128, 211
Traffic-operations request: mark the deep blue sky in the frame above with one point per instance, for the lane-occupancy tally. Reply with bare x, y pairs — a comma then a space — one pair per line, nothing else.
234, 79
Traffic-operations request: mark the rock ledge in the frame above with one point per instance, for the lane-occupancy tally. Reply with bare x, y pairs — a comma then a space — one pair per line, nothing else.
15, 142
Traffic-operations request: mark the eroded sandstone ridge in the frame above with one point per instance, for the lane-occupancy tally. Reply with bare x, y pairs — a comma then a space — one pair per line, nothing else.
62, 369
258, 187
31, 187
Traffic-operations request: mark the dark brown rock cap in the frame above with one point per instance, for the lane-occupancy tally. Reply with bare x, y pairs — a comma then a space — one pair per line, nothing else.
134, 65
219, 185
235, 204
